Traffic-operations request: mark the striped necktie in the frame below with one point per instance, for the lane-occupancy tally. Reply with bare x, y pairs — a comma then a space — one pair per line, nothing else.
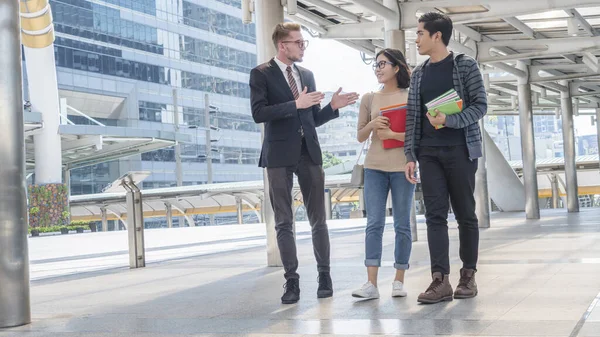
292, 82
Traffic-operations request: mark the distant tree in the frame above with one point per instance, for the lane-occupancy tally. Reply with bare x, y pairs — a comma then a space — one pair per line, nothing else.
330, 160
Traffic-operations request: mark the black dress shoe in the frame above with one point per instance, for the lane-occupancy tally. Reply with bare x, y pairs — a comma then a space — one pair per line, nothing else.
292, 291
325, 286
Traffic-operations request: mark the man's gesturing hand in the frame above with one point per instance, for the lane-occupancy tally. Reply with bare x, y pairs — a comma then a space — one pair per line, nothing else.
341, 100
306, 100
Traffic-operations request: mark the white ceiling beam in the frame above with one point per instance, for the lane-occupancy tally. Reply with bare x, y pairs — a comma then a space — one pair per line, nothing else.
541, 79
553, 47
334, 9
86, 141
306, 23
591, 61
457, 46
508, 68
577, 84
365, 31
503, 79
291, 6
585, 25
497, 8
359, 45
560, 67
583, 94
378, 43
377, 9
581, 69
522, 27
469, 32
555, 86
476, 36
572, 58
324, 23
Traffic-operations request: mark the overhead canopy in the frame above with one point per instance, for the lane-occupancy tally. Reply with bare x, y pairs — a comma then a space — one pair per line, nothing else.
84, 145
560, 40
197, 199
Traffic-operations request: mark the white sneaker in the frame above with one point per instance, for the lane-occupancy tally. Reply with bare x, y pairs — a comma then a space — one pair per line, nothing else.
398, 289
367, 291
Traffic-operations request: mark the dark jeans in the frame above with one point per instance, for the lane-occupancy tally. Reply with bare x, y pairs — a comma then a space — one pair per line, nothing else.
447, 171
311, 179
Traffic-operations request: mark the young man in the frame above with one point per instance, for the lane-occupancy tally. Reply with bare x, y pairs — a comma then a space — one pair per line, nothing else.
284, 98
448, 156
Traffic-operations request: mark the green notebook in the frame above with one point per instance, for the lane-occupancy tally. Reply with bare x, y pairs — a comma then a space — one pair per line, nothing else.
448, 108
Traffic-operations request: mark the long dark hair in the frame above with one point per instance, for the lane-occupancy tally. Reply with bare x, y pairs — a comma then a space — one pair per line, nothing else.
397, 58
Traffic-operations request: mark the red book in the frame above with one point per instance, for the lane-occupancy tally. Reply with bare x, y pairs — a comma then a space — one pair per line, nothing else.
397, 117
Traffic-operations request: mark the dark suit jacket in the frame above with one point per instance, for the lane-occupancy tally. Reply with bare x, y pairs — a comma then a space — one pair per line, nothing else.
273, 104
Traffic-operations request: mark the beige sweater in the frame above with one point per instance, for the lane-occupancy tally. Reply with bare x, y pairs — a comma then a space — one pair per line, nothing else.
378, 158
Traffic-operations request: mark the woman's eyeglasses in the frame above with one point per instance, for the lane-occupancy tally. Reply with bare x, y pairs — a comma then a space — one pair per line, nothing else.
381, 64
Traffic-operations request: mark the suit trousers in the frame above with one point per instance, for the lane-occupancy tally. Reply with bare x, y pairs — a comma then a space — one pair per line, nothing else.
311, 179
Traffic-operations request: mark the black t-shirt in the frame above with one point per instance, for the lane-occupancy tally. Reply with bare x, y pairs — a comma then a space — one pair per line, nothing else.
435, 81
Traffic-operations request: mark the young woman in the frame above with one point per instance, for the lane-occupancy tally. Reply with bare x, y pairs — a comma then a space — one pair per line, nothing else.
384, 172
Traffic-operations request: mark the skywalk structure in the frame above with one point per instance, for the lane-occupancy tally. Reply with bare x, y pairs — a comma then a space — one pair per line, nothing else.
537, 57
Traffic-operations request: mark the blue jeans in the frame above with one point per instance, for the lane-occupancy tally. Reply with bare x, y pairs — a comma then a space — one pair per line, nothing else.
377, 186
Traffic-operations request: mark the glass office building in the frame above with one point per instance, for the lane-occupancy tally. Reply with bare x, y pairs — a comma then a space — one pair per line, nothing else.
133, 63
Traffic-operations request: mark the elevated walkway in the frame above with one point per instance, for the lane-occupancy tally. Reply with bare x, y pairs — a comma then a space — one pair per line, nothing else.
221, 197
197, 199
94, 142
536, 278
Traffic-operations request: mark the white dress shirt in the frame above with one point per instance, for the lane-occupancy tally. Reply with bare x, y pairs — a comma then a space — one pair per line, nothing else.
295, 73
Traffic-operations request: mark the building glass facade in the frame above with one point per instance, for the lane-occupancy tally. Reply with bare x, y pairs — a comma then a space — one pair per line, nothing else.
140, 52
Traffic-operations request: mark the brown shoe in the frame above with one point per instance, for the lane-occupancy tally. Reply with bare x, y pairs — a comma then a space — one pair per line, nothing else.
439, 290
467, 287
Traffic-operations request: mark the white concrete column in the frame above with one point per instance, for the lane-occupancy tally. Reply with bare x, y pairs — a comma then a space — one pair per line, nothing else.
394, 37
412, 54
413, 221
555, 191
328, 204
239, 210
482, 198
169, 215
268, 14
598, 125
67, 180
361, 202
104, 215
568, 131
14, 255
43, 91
532, 206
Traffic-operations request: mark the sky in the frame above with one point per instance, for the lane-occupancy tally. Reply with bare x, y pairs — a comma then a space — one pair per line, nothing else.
336, 65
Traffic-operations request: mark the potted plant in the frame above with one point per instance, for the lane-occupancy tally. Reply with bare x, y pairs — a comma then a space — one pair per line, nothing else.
34, 231
64, 230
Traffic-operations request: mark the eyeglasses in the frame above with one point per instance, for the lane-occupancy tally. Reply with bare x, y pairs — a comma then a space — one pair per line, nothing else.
381, 64
302, 44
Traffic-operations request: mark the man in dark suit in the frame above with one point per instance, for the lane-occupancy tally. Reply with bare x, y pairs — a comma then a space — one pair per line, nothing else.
290, 116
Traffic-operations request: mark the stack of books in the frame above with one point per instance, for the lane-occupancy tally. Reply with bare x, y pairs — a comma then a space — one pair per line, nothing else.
448, 103
397, 116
